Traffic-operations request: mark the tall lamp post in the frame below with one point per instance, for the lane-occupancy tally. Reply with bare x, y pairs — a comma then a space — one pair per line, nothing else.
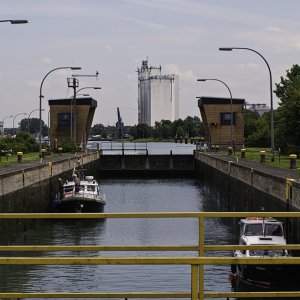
29, 118
12, 21
25, 114
231, 113
41, 96
271, 93
3, 122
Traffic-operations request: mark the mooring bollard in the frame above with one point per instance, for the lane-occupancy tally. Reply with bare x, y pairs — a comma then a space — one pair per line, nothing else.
293, 161
43, 153
243, 153
229, 149
20, 156
262, 156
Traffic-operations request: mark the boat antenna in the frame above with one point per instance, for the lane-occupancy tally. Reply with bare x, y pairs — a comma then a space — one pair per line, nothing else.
263, 209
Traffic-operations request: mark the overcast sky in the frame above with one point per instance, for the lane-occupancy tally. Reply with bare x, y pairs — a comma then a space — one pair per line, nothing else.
114, 36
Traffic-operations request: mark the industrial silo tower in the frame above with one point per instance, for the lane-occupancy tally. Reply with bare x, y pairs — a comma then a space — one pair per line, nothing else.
158, 95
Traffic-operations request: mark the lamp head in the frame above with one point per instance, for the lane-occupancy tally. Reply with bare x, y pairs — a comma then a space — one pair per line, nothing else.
201, 79
18, 21
225, 49
97, 88
75, 68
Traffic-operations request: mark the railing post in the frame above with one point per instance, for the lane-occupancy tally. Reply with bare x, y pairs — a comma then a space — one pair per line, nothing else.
195, 282
201, 254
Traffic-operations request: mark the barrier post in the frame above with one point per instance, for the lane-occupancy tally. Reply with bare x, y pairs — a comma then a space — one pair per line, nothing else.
262, 156
19, 156
293, 161
243, 153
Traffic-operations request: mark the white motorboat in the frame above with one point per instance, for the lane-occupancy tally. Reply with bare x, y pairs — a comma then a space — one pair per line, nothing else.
83, 195
261, 231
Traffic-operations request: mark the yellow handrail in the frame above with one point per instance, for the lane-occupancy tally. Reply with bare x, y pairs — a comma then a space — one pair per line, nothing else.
197, 263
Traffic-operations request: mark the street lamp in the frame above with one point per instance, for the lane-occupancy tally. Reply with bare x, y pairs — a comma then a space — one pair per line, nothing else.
15, 21
25, 114
231, 113
12, 22
29, 118
41, 96
89, 87
271, 93
3, 122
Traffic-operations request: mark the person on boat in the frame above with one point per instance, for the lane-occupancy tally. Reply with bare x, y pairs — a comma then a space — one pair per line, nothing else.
61, 188
77, 183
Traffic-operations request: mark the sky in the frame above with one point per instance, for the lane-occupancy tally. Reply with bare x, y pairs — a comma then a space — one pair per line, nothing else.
114, 36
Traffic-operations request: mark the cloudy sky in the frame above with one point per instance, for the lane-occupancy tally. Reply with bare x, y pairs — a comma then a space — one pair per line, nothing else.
114, 36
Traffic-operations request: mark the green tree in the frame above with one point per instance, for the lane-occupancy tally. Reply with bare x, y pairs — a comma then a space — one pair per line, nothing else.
99, 129
261, 136
193, 126
288, 124
34, 126
250, 122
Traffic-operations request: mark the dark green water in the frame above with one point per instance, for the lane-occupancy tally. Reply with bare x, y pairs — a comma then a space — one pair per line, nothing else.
130, 195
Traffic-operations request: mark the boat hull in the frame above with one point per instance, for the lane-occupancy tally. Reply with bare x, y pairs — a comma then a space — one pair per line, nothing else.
80, 205
268, 275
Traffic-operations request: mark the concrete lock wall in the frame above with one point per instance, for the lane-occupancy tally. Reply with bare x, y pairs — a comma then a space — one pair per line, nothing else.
248, 189
31, 190
180, 162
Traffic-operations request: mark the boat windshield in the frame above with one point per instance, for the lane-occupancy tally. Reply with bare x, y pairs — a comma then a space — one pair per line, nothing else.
270, 253
273, 229
91, 188
253, 229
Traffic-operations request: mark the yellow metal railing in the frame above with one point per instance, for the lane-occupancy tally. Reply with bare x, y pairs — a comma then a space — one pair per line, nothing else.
197, 263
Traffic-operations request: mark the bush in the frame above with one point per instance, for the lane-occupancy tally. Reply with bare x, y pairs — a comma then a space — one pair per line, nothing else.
68, 146
22, 142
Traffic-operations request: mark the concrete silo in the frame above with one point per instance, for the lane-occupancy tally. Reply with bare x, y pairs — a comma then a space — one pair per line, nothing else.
158, 95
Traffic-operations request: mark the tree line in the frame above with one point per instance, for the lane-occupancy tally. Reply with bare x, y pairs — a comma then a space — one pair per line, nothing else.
165, 129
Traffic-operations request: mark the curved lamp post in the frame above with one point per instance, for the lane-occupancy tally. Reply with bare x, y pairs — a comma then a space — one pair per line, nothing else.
15, 21
271, 93
41, 96
89, 87
4, 120
231, 113
29, 118
25, 114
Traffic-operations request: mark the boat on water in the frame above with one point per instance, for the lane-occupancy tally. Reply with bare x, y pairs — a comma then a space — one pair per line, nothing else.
261, 231
81, 194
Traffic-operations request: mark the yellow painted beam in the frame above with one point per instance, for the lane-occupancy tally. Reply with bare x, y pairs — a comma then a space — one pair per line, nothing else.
98, 248
147, 260
146, 215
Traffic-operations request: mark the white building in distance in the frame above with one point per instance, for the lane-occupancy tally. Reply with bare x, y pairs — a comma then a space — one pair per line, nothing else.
158, 95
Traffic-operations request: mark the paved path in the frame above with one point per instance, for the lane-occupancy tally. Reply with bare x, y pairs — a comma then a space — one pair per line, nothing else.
280, 172
24, 165
284, 173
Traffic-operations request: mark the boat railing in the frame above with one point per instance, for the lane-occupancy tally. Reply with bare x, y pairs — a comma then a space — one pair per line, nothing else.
70, 191
197, 262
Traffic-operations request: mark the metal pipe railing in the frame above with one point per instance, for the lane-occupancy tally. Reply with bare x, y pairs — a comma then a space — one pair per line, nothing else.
197, 263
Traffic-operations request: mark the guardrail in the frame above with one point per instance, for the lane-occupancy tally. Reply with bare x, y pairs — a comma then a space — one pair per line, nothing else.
197, 263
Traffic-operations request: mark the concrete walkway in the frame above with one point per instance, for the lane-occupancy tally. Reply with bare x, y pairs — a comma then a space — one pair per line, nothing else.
25, 165
262, 167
